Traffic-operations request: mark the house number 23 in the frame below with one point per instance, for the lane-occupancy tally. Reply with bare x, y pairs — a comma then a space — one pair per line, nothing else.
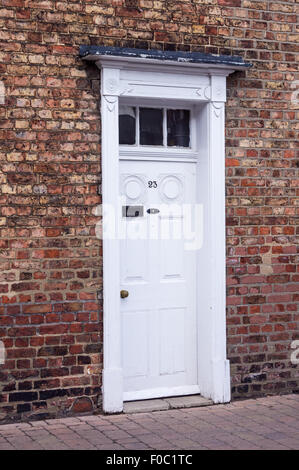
152, 184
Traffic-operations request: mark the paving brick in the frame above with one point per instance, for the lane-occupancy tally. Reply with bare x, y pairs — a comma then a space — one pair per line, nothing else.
212, 427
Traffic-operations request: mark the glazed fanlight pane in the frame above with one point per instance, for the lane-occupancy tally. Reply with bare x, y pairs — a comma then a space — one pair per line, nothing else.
151, 126
178, 128
127, 125
154, 126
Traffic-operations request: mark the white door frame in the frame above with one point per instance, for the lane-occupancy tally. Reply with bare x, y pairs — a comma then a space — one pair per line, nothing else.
202, 84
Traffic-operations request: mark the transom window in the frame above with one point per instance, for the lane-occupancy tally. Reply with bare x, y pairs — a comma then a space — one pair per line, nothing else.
163, 127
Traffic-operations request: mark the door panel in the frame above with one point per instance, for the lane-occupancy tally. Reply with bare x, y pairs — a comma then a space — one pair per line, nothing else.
135, 365
159, 340
172, 340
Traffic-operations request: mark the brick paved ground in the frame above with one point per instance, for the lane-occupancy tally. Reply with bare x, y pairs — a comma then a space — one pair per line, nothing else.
265, 423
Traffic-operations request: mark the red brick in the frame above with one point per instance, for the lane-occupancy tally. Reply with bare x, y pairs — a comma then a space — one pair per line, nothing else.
51, 167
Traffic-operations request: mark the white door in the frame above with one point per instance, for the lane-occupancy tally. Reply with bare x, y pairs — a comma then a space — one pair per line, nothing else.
159, 339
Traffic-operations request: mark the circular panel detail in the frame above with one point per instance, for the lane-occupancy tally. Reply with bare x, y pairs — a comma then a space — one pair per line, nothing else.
133, 188
171, 188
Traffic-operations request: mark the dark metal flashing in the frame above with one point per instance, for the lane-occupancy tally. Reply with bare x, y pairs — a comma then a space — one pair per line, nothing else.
172, 56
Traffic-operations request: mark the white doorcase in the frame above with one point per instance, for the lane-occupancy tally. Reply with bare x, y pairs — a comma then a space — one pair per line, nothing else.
158, 270
145, 320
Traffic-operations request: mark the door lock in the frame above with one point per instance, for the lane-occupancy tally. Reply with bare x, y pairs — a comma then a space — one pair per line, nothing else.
124, 294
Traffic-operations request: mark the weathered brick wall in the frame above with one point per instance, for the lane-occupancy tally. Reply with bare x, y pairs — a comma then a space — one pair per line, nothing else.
50, 290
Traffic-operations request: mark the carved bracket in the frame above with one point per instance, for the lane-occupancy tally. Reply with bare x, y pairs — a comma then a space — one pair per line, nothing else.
217, 108
110, 102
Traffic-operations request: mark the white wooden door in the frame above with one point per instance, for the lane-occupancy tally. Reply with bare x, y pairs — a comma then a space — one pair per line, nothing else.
159, 339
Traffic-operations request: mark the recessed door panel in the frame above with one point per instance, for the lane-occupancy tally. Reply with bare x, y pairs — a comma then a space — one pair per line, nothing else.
172, 341
135, 347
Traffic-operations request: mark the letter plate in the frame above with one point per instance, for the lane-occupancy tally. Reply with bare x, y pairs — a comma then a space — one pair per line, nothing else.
132, 211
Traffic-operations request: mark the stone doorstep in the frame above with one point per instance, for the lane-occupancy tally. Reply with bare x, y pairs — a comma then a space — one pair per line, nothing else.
160, 404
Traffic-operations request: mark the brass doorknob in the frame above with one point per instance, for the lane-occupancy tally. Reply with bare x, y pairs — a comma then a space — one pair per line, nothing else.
124, 294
